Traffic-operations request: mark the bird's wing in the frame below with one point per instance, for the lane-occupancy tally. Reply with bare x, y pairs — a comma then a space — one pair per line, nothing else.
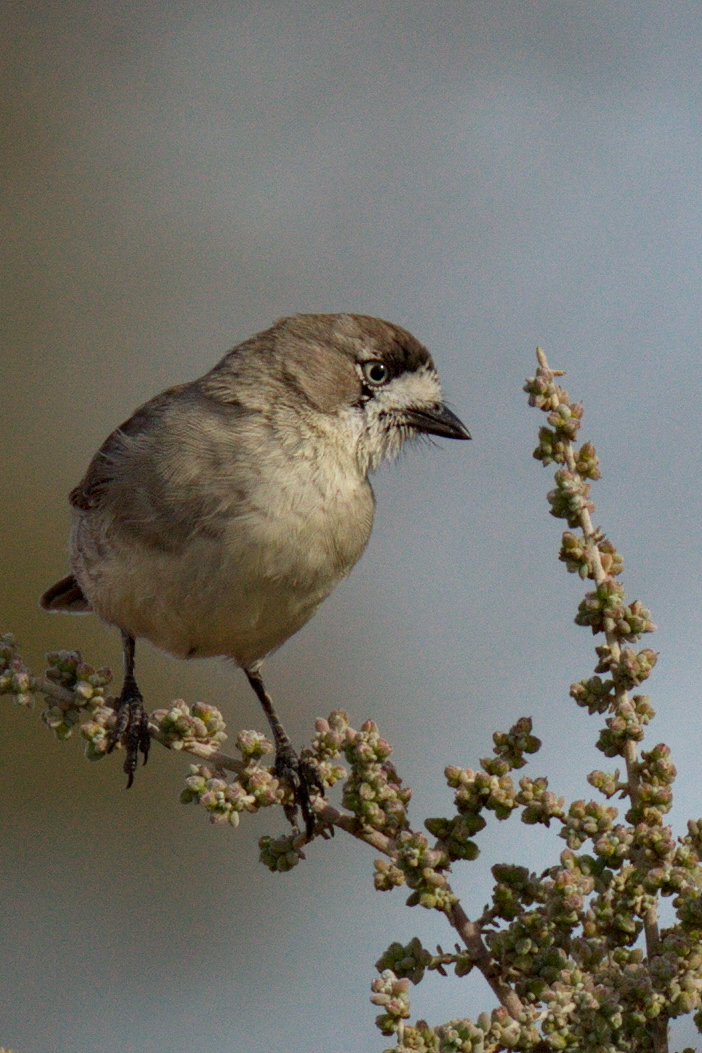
105, 466
168, 473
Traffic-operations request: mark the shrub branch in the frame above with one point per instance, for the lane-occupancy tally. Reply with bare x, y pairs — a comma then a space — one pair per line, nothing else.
560, 950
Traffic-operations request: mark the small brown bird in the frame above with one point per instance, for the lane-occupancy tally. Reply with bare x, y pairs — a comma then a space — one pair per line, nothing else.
219, 516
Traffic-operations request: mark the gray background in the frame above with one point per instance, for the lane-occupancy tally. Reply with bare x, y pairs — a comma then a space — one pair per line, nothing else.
491, 175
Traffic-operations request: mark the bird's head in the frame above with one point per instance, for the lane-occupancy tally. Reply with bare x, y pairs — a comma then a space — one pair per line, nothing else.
371, 374
367, 385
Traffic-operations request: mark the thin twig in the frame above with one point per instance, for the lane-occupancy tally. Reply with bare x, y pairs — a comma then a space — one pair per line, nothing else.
470, 933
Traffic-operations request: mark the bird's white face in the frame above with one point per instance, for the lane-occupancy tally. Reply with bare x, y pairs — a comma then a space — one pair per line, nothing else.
387, 405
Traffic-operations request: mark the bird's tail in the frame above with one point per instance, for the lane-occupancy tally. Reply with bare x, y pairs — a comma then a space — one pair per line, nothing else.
67, 596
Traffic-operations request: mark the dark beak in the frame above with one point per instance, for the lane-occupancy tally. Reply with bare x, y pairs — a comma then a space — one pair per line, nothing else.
437, 420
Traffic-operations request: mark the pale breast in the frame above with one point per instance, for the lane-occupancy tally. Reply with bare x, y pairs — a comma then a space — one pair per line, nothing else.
240, 590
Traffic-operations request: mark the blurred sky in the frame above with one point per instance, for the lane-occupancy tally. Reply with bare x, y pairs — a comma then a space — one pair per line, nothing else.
491, 175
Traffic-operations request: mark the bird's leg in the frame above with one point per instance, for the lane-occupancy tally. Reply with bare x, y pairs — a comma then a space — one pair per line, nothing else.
300, 775
132, 723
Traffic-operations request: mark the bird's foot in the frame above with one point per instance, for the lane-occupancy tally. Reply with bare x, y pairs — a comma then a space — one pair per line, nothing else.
132, 729
302, 776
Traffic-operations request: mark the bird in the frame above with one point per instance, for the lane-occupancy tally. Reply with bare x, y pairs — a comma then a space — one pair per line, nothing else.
219, 516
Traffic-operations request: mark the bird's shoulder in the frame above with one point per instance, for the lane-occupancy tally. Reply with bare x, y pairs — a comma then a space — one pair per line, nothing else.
164, 441
94, 486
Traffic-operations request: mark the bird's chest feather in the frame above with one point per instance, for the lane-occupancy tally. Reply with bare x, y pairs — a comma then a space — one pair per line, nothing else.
304, 526
236, 560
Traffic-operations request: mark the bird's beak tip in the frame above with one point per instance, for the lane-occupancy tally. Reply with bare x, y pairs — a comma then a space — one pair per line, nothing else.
438, 420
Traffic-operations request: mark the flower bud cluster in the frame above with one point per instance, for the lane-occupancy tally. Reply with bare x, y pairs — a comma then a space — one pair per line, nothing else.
676, 972
626, 725
692, 842
616, 914
387, 875
281, 854
67, 669
612, 1004
552, 447
540, 948
586, 819
96, 732
544, 393
594, 694
422, 867
582, 1015
684, 873
183, 726
567, 889
417, 1038
607, 995
328, 744
659, 851
374, 791
392, 994
528, 953
540, 805
612, 562
224, 801
656, 768
515, 888
14, 676
409, 961
493, 789
491, 1032
608, 783
627, 667
62, 721
577, 554
454, 835
261, 784
588, 465
510, 747
688, 907
604, 611
252, 745
254, 786
464, 1036
654, 798
476, 790
565, 418
331, 736
570, 498
614, 845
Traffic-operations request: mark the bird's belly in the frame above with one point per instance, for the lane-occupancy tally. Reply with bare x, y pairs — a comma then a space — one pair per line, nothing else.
241, 594
192, 605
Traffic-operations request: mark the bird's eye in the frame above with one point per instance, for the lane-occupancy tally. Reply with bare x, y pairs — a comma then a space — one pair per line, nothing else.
375, 372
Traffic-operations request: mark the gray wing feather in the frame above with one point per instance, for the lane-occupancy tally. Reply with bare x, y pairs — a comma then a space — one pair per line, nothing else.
168, 473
